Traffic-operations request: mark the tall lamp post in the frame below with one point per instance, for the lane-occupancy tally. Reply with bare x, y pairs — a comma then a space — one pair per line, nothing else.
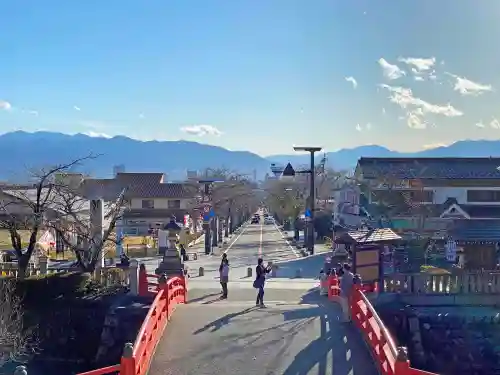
290, 172
207, 213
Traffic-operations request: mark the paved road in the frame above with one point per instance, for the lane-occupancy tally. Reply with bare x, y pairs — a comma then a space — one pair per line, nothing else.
299, 333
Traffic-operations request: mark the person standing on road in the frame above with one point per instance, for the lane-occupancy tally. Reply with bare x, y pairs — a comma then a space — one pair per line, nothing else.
346, 286
224, 275
260, 281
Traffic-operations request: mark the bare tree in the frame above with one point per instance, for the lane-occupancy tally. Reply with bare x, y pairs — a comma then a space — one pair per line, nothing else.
17, 342
286, 198
25, 208
75, 224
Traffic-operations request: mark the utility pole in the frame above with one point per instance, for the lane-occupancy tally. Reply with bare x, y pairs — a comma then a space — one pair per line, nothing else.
207, 214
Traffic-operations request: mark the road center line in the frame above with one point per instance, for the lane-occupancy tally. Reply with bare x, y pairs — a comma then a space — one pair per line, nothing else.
236, 239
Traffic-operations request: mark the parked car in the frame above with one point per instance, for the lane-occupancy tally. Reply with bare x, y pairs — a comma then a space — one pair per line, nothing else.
268, 220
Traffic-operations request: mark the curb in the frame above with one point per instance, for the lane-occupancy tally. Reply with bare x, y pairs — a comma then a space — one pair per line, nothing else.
197, 241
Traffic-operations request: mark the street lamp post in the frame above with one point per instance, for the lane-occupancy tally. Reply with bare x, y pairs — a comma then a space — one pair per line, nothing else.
206, 203
289, 171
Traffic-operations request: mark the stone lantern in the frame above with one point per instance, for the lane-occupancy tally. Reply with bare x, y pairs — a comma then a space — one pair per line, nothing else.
171, 264
173, 230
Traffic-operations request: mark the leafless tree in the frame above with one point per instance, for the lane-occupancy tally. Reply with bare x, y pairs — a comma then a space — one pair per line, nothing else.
17, 342
286, 198
74, 224
26, 208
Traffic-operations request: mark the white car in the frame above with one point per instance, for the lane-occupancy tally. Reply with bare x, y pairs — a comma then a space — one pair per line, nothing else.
268, 220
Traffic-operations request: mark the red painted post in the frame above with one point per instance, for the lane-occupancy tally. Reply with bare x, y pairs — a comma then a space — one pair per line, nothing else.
127, 363
143, 281
332, 281
184, 285
402, 365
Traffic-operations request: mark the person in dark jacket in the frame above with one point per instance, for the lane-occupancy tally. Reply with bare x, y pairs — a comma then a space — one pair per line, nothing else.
260, 281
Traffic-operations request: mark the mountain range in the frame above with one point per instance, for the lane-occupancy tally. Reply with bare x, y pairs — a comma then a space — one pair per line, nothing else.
24, 151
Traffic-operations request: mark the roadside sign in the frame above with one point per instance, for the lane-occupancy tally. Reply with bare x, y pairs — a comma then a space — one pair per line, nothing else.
307, 213
206, 209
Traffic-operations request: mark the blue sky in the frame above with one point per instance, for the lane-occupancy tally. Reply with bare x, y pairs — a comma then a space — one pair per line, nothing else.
259, 75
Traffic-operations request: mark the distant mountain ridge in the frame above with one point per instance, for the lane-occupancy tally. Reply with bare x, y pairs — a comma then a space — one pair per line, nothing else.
22, 151
347, 158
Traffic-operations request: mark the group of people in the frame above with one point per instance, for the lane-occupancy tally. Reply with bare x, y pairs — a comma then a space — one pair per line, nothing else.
347, 281
343, 272
259, 282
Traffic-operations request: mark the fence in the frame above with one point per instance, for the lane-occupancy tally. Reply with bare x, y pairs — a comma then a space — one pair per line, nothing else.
109, 275
390, 358
465, 283
137, 356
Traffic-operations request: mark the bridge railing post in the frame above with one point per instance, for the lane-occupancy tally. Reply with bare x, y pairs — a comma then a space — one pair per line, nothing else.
143, 280
127, 363
402, 365
21, 370
134, 277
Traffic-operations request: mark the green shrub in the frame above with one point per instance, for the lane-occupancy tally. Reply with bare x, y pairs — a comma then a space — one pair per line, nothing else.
41, 289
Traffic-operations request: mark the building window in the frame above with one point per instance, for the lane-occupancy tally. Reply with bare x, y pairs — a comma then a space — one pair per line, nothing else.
174, 204
481, 196
148, 203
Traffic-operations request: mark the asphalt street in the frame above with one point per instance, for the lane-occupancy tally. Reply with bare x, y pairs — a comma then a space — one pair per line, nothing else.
299, 335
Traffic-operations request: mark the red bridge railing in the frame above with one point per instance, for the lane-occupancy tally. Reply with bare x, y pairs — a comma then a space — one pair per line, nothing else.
136, 358
391, 359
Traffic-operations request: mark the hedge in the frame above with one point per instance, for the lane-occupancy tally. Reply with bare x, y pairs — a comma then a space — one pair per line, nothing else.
42, 289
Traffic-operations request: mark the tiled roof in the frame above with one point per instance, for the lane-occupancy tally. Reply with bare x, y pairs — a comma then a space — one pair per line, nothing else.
430, 168
476, 230
481, 211
139, 178
137, 185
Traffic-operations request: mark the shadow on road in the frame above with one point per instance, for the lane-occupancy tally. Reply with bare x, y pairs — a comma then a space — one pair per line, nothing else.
339, 345
219, 323
309, 266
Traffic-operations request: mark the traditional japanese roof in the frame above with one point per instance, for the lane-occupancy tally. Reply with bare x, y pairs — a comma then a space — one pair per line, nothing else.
476, 230
429, 168
137, 185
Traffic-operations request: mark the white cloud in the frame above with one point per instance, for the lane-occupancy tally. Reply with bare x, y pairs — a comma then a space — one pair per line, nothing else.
97, 135
383, 111
405, 99
417, 109
480, 124
418, 64
34, 113
76, 108
415, 120
467, 87
5, 105
434, 145
418, 78
361, 128
201, 130
390, 71
495, 124
141, 116
352, 80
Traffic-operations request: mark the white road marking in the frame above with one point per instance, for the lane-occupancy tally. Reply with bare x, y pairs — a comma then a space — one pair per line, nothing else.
287, 242
236, 239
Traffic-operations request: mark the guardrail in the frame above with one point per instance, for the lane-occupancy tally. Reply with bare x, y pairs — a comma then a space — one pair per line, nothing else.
390, 358
137, 357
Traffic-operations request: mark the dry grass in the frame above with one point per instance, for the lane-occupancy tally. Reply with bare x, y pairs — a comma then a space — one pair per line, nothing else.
5, 242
